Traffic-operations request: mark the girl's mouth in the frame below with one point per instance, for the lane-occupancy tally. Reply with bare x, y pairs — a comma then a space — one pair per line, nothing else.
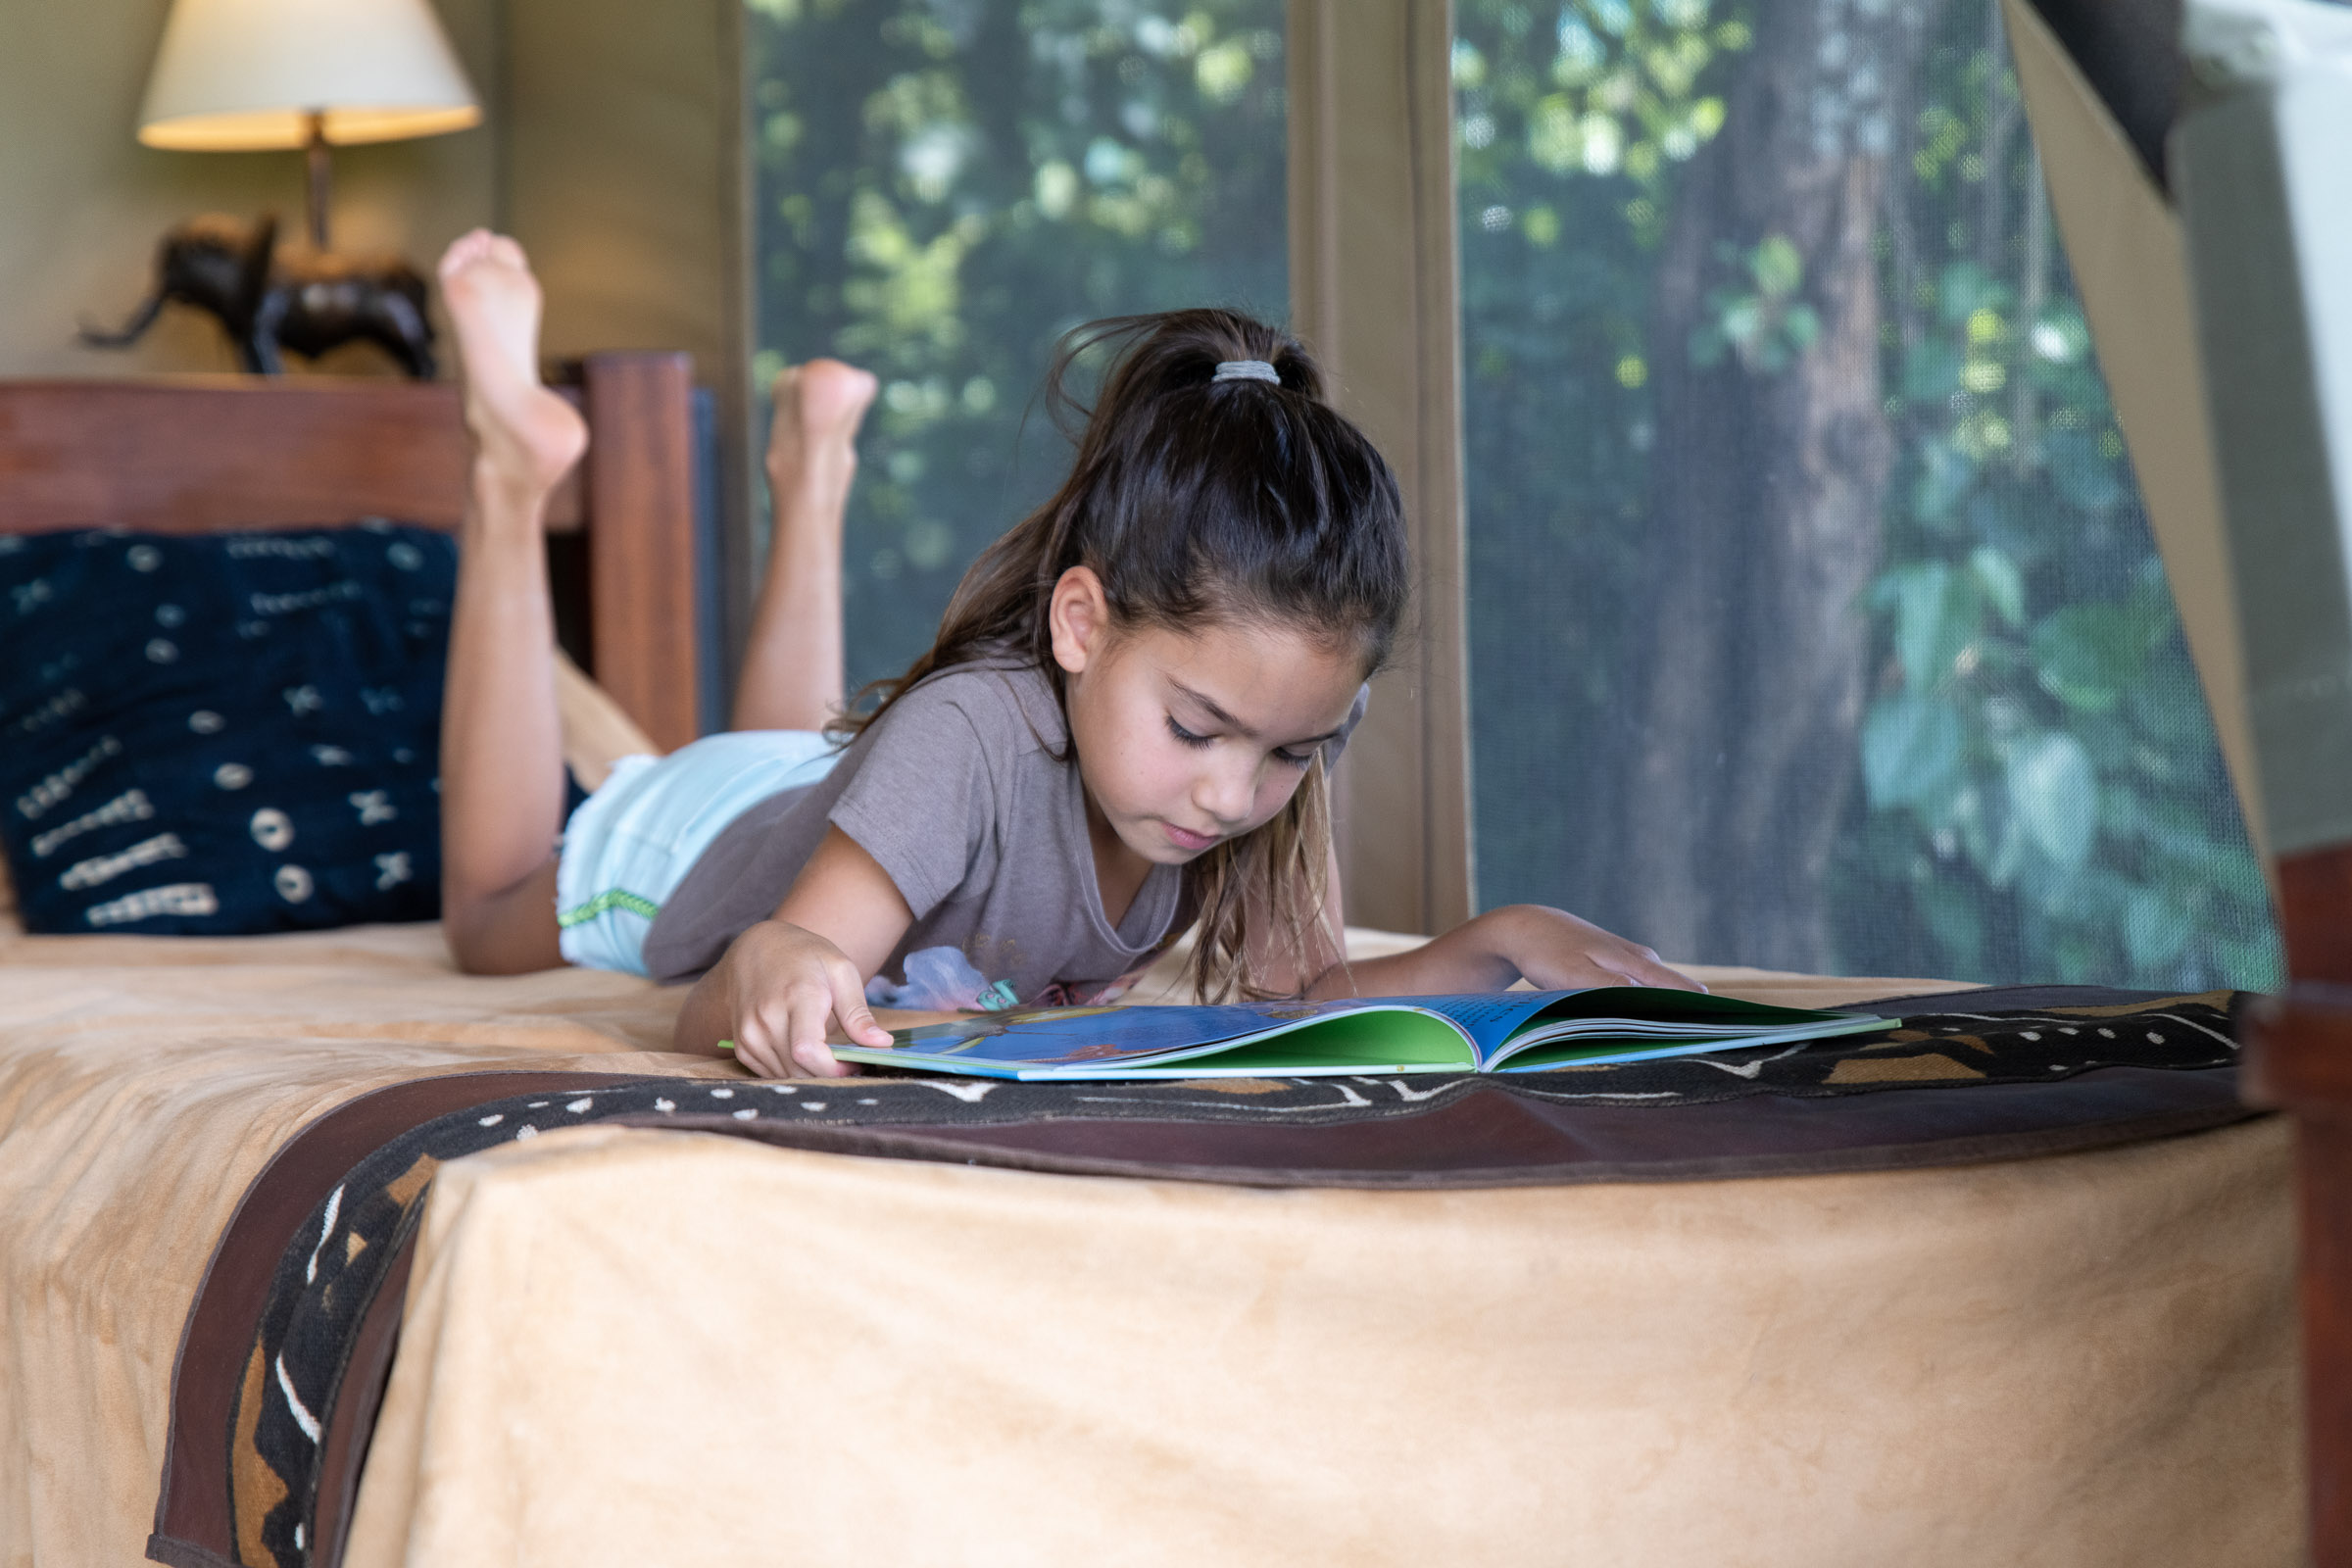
1190, 842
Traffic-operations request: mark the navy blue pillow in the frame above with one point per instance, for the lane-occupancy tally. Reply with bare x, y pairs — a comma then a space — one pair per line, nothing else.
221, 734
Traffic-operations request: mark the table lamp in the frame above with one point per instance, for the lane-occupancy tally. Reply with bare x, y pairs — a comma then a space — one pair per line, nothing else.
242, 76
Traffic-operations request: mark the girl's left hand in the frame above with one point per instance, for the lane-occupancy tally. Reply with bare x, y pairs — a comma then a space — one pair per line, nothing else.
1557, 952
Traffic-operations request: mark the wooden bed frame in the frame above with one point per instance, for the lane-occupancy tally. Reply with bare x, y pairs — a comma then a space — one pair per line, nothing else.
199, 454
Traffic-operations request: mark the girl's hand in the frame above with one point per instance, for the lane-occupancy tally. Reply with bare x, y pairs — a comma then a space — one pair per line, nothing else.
774, 993
1557, 952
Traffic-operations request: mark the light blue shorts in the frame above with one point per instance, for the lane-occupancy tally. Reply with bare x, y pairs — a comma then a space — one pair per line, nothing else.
630, 844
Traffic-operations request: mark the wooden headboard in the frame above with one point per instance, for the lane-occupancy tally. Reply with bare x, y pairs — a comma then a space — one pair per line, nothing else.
198, 454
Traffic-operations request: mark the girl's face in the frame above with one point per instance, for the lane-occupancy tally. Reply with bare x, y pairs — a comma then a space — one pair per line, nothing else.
1188, 738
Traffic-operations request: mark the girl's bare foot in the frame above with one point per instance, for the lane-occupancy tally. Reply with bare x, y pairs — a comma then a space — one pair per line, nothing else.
792, 668
820, 406
527, 437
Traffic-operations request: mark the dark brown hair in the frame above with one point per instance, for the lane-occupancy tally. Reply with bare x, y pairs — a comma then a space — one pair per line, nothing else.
1197, 501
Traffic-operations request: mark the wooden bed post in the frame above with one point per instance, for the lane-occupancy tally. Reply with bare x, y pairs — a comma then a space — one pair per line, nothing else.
2303, 1064
640, 470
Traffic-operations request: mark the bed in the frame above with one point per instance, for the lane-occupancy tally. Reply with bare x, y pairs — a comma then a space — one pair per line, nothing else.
2012, 1322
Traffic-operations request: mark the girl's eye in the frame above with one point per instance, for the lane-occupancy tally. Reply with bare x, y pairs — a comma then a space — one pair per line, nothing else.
1298, 760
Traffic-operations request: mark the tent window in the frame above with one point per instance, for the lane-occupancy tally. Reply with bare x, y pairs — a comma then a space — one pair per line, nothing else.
1814, 617
944, 188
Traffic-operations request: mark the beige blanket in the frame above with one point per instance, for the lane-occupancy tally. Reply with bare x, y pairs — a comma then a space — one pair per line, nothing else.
1237, 1376
638, 1348
143, 1082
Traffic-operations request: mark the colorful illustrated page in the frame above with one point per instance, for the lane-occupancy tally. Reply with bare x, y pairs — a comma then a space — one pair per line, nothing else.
1095, 1037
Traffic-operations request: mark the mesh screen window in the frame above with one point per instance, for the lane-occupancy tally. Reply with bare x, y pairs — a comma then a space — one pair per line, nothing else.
1814, 617
946, 186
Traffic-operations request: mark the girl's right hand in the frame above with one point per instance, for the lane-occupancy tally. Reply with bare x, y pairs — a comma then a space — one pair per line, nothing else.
778, 987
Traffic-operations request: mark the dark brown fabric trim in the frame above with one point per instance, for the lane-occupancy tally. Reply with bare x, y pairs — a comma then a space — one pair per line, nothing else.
191, 1508
351, 1418
180, 1554
1497, 1139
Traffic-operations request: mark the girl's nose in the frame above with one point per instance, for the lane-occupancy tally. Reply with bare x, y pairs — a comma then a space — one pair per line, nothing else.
1225, 792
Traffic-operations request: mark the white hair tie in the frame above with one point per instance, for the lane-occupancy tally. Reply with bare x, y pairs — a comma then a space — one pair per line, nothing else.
1247, 370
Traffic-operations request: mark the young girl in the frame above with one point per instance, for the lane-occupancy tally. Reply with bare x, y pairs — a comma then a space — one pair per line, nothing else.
1124, 727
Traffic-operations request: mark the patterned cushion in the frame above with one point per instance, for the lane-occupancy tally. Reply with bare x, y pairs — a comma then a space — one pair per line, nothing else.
223, 733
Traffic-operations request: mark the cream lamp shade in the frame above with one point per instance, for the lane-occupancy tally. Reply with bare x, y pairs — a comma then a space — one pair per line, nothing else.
235, 75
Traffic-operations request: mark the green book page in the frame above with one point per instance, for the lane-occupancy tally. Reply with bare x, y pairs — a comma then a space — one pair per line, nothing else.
1383, 1041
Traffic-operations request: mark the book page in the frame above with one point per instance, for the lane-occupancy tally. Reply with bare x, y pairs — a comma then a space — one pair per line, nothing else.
1488, 1017
1315, 1036
1059, 1037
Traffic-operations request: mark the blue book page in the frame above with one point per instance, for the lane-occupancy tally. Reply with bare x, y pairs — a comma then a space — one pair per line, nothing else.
1055, 1041
1092, 1037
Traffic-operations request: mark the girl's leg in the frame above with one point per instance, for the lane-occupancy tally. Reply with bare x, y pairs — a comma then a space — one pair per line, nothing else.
792, 668
501, 748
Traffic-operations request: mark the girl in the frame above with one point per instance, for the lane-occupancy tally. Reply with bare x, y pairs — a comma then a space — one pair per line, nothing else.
1124, 727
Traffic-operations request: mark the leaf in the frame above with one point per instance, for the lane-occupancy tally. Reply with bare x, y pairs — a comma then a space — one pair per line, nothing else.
1930, 371
1743, 319
1778, 266
1911, 747
1936, 616
1995, 518
2056, 795
1802, 325
2002, 585
2088, 655
2008, 854
1944, 474
2083, 477
2154, 929
1554, 139
1966, 288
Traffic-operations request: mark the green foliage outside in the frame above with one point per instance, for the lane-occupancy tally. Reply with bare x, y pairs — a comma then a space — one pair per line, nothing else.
946, 186
2042, 796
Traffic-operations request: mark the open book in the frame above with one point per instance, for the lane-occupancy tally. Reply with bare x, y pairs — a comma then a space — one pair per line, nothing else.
1505, 1031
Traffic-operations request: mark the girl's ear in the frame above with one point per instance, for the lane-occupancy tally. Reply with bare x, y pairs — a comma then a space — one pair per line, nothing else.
1079, 618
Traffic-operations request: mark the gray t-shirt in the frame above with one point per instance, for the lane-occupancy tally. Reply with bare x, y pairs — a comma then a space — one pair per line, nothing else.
959, 796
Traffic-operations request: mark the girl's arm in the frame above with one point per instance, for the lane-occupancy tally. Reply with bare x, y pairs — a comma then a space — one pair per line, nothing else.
1552, 948
1549, 948
781, 981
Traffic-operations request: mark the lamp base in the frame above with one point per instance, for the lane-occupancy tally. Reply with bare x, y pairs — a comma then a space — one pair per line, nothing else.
318, 179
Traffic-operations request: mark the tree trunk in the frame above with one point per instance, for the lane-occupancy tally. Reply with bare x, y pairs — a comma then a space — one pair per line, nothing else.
1769, 476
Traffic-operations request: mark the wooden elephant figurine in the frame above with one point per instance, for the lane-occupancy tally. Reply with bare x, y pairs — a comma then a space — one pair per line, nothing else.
308, 303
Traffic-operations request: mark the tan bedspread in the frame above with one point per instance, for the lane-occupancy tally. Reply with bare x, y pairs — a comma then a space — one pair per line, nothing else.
1296, 1376
143, 1083
628, 1349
